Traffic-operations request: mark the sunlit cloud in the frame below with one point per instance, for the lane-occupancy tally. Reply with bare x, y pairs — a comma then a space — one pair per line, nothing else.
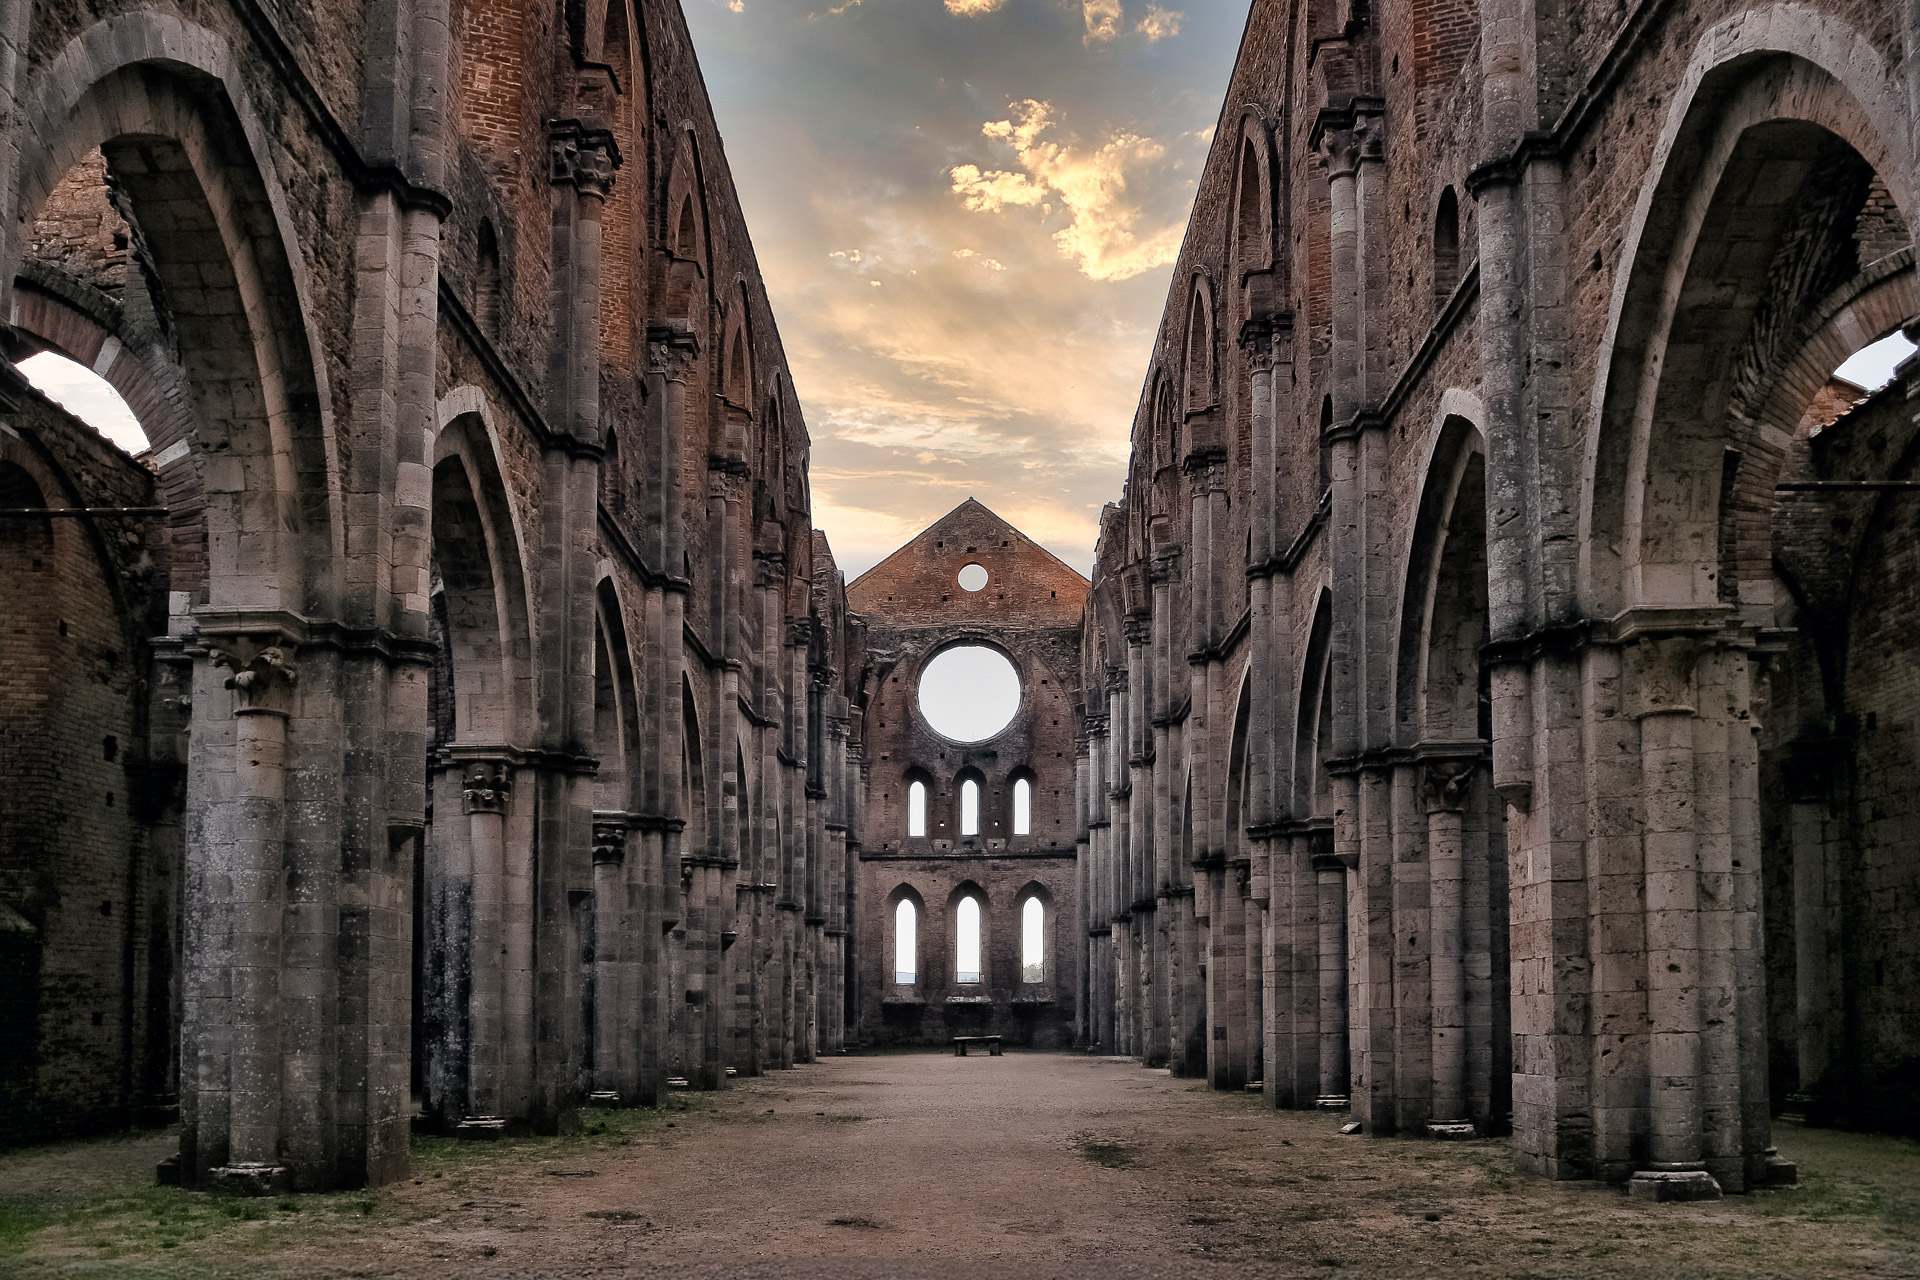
1090, 183
1102, 18
1160, 24
973, 8
942, 351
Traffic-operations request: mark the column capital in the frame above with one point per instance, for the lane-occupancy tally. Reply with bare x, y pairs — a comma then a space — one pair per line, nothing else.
1345, 136
672, 351
1165, 566
1257, 339
1659, 671
1445, 785
1138, 628
769, 570
487, 786
609, 839
583, 158
264, 671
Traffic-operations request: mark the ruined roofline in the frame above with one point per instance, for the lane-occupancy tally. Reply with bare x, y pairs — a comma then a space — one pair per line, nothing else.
901, 550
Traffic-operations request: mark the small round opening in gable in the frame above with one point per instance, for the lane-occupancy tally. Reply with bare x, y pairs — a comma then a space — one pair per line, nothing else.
973, 578
970, 693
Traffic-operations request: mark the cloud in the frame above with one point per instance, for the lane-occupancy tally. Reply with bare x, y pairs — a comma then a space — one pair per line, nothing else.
1102, 19
1160, 24
973, 8
1090, 184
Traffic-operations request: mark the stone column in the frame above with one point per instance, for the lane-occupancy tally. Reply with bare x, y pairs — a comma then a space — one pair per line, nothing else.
1330, 877
1141, 975
614, 1029
1120, 860
1660, 681
487, 793
244, 879
1445, 789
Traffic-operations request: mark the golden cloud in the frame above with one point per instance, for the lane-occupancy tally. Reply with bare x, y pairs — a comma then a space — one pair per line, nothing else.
1090, 184
1102, 18
1160, 24
972, 8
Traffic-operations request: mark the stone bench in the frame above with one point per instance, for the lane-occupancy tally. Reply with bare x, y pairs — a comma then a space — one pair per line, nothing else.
961, 1043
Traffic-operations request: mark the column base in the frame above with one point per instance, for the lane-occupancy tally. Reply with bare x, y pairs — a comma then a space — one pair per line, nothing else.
1331, 1102
481, 1129
249, 1179
1780, 1172
1453, 1131
1662, 1186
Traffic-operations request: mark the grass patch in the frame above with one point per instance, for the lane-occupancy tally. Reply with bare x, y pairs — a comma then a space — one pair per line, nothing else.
18, 1222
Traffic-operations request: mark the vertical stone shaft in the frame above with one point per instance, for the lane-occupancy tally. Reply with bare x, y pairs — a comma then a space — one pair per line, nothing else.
1447, 792
1676, 1140
1330, 877
258, 818
1140, 858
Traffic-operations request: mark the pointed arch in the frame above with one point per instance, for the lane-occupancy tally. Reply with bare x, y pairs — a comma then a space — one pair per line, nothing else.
1314, 728
480, 587
163, 101
1201, 364
1787, 87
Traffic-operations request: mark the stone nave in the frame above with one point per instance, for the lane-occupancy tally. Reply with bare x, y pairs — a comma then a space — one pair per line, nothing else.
1492, 710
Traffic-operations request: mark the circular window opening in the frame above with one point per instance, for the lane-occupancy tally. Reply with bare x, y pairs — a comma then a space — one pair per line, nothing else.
970, 693
973, 578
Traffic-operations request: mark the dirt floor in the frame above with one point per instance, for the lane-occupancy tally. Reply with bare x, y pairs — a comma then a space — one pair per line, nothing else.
928, 1165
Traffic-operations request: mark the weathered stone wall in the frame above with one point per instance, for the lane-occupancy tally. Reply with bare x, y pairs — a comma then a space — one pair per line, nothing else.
517, 750
89, 884
1443, 447
912, 607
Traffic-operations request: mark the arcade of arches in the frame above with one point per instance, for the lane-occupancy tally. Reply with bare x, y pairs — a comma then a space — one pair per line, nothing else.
1493, 711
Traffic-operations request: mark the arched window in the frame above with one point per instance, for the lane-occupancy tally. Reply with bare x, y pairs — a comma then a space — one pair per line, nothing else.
1446, 247
1022, 807
970, 808
967, 957
917, 811
906, 943
1033, 941
487, 299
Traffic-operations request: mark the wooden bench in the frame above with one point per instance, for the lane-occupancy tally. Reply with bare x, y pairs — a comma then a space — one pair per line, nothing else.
960, 1044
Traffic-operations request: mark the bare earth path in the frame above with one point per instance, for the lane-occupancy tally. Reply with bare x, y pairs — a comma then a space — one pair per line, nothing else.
1022, 1166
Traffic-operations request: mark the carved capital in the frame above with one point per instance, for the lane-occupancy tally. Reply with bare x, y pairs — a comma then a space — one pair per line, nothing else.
770, 571
264, 672
1446, 786
1165, 567
583, 158
1138, 628
1659, 673
1257, 340
726, 481
1346, 136
487, 787
609, 841
672, 352
800, 632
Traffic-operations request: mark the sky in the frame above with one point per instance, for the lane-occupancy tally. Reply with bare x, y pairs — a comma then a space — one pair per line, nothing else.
966, 213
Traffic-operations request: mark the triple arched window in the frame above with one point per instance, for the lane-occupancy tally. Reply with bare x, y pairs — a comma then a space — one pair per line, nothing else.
972, 807
969, 938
